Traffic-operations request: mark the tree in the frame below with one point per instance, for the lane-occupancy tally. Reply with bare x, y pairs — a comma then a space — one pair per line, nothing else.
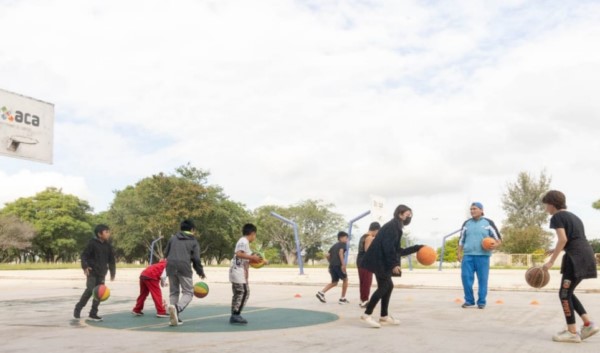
595, 243
156, 205
596, 205
317, 228
450, 250
522, 231
525, 240
61, 223
15, 238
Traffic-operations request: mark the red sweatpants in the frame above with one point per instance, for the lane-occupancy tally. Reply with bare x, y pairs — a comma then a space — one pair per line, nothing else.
152, 287
365, 277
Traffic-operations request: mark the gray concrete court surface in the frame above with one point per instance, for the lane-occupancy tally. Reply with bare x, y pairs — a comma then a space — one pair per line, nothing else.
36, 309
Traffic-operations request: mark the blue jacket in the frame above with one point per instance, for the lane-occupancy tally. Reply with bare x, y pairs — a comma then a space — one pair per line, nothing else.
472, 234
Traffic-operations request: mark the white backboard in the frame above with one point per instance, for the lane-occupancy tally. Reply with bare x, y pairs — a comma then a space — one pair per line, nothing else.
26, 127
377, 209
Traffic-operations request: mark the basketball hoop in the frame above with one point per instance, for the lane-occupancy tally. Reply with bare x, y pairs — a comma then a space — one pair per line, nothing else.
15, 141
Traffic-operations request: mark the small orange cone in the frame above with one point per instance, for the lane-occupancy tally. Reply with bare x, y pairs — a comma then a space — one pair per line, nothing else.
535, 302
499, 301
458, 300
297, 296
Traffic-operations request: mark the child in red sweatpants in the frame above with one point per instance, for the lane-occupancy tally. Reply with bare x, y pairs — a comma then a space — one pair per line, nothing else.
151, 279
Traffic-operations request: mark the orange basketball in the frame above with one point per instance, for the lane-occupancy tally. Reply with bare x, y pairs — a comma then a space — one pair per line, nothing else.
537, 277
488, 243
426, 255
258, 264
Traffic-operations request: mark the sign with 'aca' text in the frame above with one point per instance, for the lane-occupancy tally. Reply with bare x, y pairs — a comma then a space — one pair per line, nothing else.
26, 127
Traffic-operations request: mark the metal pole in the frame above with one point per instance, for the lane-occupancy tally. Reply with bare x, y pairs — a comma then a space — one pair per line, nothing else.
296, 238
350, 223
152, 249
444, 247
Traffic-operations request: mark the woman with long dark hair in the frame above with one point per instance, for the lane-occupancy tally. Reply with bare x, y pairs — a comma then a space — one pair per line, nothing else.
383, 259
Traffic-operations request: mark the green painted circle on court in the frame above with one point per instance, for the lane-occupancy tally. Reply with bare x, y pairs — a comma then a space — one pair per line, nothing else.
216, 319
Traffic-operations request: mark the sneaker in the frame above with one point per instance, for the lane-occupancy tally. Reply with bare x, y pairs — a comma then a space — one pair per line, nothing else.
77, 314
589, 331
481, 307
94, 317
173, 319
364, 304
467, 305
389, 320
566, 336
179, 322
237, 320
367, 319
137, 313
321, 297
343, 301
162, 315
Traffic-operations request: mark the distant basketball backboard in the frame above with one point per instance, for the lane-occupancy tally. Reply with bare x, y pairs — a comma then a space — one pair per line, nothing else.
377, 208
26, 127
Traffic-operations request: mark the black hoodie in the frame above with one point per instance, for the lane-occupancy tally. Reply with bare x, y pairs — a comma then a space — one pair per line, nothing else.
99, 255
385, 251
182, 249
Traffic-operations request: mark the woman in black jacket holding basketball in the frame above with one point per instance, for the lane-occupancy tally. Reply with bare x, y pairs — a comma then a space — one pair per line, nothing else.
383, 259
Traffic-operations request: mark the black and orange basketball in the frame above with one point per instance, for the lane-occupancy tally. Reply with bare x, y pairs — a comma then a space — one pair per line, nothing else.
537, 277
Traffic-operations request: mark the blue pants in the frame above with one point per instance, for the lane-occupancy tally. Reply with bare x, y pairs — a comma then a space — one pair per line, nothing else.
471, 265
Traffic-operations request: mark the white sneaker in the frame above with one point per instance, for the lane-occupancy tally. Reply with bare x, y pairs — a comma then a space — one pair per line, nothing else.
369, 321
173, 319
566, 336
389, 320
364, 304
589, 331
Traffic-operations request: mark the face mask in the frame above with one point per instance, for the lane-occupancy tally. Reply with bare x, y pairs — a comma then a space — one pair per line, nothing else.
407, 221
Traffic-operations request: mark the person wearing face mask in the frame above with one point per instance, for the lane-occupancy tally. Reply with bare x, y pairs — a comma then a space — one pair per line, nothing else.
476, 259
383, 259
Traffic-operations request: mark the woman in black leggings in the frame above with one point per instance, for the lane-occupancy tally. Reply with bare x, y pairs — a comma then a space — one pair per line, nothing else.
383, 259
578, 264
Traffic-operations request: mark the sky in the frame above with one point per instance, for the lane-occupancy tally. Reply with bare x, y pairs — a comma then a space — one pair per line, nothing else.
433, 104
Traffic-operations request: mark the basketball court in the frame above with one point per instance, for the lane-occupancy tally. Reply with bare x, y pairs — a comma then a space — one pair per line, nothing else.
285, 316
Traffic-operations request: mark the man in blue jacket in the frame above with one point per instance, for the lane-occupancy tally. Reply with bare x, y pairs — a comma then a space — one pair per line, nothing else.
476, 260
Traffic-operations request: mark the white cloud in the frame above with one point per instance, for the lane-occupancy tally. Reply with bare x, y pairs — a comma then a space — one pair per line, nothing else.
26, 183
433, 104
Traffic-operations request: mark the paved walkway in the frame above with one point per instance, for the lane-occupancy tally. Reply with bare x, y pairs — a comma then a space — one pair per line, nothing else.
36, 308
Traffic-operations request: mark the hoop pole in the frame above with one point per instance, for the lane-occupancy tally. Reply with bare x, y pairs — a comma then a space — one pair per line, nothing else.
350, 224
444, 247
152, 249
296, 239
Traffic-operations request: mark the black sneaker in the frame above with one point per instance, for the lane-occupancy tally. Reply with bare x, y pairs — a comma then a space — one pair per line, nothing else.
237, 320
77, 314
94, 317
466, 306
321, 297
343, 301
481, 306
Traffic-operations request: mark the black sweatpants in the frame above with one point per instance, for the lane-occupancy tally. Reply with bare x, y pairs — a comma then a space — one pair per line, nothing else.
385, 286
568, 300
91, 283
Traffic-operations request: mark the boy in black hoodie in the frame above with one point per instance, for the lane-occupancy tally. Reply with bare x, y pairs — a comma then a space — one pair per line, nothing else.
182, 249
96, 260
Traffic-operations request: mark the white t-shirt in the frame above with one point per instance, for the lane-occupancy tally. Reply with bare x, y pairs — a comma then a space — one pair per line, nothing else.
239, 267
